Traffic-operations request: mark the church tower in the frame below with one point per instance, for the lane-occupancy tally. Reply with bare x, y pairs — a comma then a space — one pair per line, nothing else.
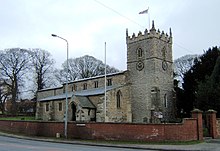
150, 74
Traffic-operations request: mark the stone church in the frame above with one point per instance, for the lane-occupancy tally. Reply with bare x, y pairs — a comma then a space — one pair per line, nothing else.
141, 94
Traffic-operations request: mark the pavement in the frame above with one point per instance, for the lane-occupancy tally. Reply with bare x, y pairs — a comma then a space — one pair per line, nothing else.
207, 145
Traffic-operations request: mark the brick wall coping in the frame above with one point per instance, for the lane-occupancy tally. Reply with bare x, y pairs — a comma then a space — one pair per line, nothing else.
211, 111
72, 122
196, 111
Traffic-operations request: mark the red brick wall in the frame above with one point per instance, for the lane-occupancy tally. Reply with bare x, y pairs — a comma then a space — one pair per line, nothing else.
186, 131
32, 128
218, 127
183, 132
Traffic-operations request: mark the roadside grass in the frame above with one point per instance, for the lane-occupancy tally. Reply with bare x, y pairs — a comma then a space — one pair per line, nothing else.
18, 118
144, 143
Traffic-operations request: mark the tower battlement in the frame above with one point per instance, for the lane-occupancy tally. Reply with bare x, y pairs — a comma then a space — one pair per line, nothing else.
152, 33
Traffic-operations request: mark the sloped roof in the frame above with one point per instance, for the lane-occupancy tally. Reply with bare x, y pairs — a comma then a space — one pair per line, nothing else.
85, 79
85, 102
96, 77
95, 91
88, 92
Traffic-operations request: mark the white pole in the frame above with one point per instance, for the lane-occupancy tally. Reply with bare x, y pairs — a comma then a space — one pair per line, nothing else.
105, 87
149, 18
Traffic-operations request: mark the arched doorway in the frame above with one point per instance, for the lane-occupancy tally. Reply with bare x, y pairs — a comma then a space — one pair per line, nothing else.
73, 112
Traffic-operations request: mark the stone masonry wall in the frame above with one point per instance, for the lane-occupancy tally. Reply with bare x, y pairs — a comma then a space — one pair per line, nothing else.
117, 80
122, 113
153, 43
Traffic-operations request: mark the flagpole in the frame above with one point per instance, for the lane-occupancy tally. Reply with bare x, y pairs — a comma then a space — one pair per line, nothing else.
146, 12
148, 18
105, 87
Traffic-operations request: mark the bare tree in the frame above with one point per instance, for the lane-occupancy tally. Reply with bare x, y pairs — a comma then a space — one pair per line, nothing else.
83, 67
182, 65
43, 68
14, 63
4, 95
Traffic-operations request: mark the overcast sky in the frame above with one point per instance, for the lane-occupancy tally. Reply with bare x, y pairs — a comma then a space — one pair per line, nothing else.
87, 24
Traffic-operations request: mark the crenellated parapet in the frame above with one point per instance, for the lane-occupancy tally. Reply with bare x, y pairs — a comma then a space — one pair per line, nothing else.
152, 33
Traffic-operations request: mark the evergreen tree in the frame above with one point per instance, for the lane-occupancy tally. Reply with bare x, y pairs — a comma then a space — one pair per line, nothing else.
202, 68
208, 96
180, 105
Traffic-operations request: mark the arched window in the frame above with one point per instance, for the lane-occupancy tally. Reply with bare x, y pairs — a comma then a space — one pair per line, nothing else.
118, 96
96, 84
84, 86
109, 82
74, 87
139, 53
164, 52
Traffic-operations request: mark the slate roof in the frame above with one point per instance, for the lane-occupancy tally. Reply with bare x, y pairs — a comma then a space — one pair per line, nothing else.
88, 92
85, 102
85, 79
96, 77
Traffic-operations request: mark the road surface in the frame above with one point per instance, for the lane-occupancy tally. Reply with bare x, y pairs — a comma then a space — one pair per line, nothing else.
15, 144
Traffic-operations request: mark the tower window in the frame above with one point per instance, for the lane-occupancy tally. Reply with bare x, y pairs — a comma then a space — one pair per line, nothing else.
109, 82
165, 100
139, 53
164, 52
118, 96
96, 84
84, 86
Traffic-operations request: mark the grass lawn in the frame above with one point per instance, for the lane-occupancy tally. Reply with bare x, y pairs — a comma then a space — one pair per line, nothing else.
17, 118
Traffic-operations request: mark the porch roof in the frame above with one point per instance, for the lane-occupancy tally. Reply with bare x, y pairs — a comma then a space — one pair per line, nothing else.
85, 102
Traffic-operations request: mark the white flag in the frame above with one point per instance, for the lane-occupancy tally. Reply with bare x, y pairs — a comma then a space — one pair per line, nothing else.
144, 12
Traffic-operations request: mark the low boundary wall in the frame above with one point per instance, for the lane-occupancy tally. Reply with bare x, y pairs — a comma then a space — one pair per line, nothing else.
218, 127
186, 131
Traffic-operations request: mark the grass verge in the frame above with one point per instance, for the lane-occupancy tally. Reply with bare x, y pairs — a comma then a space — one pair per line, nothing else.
25, 118
143, 143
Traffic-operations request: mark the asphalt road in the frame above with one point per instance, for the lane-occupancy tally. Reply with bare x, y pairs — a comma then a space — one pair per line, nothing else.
15, 144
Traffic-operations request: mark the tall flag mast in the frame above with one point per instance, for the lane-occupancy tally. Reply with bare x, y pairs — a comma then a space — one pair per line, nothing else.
105, 88
146, 12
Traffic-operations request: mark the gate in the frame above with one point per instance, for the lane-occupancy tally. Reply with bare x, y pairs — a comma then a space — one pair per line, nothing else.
210, 124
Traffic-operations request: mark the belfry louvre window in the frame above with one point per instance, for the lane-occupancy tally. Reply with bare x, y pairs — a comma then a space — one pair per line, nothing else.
139, 53
109, 82
118, 97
